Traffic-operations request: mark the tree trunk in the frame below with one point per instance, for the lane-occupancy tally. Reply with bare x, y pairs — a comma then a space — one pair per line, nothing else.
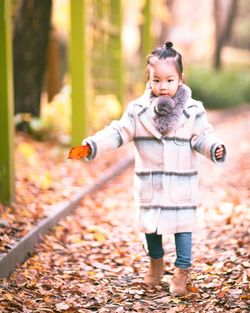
31, 31
53, 80
222, 32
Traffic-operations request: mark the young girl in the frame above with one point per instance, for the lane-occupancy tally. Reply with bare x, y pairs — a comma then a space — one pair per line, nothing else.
167, 127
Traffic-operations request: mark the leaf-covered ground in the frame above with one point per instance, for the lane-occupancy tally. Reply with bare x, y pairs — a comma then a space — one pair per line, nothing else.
44, 177
93, 260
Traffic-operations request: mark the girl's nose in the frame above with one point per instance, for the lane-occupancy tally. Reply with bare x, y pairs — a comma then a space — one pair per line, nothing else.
164, 86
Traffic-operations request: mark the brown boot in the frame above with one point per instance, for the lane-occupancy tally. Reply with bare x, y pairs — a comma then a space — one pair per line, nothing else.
178, 286
153, 277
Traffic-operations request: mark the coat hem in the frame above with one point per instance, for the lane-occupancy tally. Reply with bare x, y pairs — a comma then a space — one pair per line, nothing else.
171, 208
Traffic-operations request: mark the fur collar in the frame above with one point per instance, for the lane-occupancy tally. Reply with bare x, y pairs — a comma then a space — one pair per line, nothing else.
166, 111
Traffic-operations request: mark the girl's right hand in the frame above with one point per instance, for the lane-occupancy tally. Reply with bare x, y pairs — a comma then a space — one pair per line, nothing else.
79, 152
219, 152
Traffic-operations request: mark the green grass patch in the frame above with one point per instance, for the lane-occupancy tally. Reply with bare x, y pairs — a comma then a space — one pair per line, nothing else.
219, 89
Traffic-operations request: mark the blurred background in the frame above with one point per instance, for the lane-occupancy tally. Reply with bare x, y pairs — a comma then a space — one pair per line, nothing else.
213, 37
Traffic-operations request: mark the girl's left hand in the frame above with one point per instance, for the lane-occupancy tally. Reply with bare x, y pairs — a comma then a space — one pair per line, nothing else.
219, 152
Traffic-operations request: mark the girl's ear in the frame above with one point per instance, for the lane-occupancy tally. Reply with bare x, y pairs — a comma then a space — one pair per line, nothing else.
182, 79
148, 72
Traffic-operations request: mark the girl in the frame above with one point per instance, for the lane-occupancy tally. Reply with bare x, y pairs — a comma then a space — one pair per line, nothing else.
167, 127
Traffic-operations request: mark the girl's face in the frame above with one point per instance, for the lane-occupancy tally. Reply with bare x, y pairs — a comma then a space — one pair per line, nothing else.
164, 78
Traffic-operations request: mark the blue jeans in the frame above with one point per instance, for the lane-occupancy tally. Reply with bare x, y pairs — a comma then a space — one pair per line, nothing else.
183, 245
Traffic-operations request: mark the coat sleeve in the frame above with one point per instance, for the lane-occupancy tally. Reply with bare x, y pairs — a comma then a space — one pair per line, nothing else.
204, 139
113, 136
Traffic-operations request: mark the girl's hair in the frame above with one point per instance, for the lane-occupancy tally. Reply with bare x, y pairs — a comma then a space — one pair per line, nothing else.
165, 52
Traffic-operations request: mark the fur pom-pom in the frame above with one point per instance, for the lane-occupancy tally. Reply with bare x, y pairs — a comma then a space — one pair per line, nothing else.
167, 110
163, 105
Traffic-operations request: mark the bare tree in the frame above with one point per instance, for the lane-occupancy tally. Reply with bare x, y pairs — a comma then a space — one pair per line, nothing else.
31, 32
223, 30
164, 20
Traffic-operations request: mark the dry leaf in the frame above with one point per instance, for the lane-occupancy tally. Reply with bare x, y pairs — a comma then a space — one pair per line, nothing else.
79, 152
62, 306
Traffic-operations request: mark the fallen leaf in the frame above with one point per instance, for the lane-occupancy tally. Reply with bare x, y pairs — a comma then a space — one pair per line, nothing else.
62, 306
192, 288
9, 297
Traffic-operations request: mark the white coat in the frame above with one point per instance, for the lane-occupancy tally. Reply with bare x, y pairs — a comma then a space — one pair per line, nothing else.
165, 174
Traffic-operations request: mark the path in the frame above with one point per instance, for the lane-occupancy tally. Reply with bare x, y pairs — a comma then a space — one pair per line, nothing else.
93, 261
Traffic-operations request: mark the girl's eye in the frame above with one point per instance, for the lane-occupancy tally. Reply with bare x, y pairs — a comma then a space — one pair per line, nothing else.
170, 80
156, 80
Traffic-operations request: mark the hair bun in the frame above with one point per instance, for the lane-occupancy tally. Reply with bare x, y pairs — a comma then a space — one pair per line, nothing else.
168, 45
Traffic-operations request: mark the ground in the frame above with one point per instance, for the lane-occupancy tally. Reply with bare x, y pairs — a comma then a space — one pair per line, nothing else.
93, 260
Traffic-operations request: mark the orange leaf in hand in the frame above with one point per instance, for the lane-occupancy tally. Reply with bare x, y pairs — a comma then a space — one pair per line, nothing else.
79, 152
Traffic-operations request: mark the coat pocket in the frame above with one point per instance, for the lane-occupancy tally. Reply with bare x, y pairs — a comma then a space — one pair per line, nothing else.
183, 187
143, 186
184, 155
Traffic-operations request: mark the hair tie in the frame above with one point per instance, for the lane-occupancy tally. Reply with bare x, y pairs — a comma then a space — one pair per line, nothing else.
168, 45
